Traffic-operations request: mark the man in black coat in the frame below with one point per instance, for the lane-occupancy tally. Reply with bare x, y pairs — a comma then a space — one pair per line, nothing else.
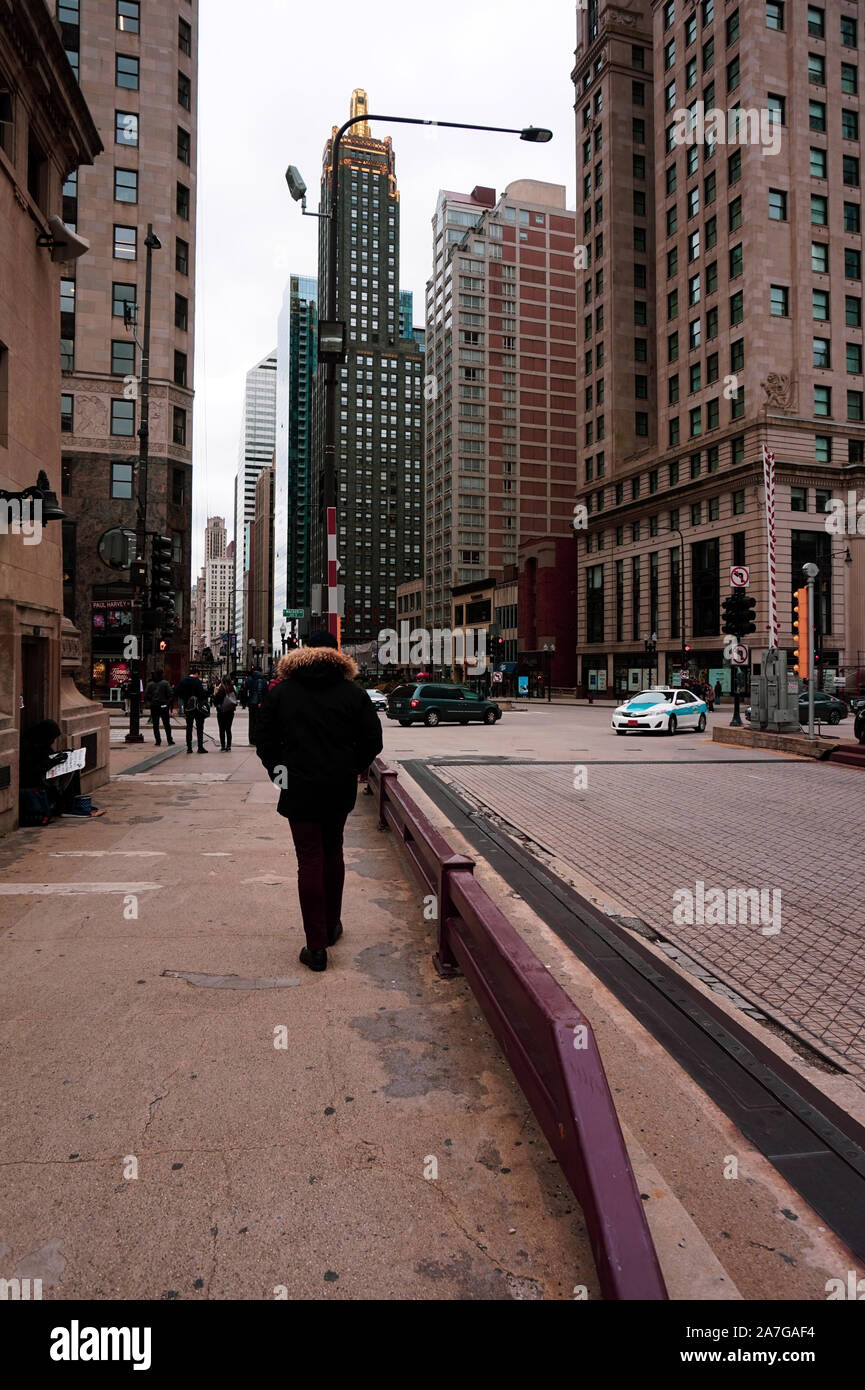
316, 731
158, 696
196, 708
256, 689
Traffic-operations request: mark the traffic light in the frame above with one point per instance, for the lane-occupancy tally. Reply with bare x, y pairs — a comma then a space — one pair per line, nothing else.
739, 611
163, 645
748, 607
161, 576
802, 654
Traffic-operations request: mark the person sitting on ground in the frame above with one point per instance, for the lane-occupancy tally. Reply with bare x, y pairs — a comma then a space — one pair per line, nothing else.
317, 731
196, 708
37, 759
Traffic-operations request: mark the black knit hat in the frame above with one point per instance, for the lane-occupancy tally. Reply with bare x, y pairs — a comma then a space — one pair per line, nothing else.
321, 639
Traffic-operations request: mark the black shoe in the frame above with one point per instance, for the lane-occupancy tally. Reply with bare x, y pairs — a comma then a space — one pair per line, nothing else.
171, 743
316, 960
202, 750
334, 935
189, 750
158, 743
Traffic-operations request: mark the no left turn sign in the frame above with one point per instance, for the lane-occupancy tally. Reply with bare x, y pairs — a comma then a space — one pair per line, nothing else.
740, 576
739, 655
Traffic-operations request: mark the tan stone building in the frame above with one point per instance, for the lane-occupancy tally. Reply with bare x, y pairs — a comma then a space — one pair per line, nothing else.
46, 132
721, 309
137, 65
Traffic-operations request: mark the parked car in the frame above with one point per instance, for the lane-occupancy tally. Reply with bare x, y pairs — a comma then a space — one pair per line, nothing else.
379, 700
661, 708
828, 709
440, 702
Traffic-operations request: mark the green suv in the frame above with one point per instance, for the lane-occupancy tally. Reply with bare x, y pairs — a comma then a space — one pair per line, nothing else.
439, 701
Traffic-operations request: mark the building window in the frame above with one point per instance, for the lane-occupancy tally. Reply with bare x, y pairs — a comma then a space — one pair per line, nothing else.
777, 205
819, 210
821, 352
180, 368
852, 218
125, 128
184, 145
822, 400
854, 405
178, 486
179, 428
184, 37
125, 243
183, 201
181, 256
181, 312
852, 264
823, 454
128, 16
738, 504
121, 295
122, 417
817, 116
737, 307
798, 499
775, 14
126, 72
849, 79
125, 186
854, 359
817, 69
852, 311
849, 28
67, 403
184, 91
121, 479
123, 358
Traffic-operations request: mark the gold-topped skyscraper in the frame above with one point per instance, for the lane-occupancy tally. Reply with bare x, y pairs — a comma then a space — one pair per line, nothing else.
359, 107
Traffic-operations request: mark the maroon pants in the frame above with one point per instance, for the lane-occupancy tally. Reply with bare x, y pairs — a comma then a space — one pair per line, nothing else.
320, 876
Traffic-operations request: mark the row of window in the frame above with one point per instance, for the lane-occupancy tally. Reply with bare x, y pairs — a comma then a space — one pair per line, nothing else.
122, 424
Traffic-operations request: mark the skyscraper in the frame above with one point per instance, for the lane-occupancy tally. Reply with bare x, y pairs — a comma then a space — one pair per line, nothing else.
380, 441
255, 452
217, 578
720, 207
501, 353
137, 66
296, 361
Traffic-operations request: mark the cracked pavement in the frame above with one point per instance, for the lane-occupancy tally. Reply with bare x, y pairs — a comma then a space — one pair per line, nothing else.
141, 1021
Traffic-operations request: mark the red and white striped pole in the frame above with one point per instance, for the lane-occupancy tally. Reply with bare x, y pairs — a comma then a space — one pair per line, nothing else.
332, 572
769, 489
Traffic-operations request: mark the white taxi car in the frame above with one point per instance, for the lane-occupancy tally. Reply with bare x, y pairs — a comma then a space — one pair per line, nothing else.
661, 708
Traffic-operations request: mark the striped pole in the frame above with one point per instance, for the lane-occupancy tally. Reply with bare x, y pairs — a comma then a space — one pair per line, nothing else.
769, 488
332, 618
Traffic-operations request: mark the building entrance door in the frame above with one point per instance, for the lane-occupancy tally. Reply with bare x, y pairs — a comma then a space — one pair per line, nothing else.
34, 680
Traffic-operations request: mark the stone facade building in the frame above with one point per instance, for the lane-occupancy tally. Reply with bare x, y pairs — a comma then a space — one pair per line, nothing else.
137, 65
721, 311
46, 134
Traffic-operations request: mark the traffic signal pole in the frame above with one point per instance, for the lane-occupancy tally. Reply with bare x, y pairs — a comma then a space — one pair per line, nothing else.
139, 571
811, 573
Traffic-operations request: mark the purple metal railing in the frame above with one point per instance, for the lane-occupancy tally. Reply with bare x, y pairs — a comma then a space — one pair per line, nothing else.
546, 1039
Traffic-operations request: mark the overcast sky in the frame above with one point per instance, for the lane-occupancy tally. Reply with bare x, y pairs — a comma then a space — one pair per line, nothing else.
274, 77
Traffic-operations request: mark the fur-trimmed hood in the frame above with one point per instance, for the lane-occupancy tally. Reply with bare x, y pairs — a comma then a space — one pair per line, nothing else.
317, 666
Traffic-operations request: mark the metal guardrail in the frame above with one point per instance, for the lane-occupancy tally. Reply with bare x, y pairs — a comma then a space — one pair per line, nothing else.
547, 1041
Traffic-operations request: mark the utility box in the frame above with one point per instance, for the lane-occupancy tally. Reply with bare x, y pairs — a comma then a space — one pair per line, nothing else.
772, 705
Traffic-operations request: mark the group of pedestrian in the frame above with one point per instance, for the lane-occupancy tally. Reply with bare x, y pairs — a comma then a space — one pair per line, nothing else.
194, 699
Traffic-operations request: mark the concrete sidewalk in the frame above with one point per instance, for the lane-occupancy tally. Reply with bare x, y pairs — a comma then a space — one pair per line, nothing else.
189, 1113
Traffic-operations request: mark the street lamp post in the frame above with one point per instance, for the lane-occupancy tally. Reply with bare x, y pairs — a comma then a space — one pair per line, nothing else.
138, 572
332, 333
682, 593
282, 636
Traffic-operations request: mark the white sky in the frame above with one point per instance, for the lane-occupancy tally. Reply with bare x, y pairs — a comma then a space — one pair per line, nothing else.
274, 77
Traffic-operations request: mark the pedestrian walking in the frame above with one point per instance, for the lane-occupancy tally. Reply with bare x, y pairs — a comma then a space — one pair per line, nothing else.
256, 689
709, 696
317, 730
158, 696
196, 708
225, 700
719, 690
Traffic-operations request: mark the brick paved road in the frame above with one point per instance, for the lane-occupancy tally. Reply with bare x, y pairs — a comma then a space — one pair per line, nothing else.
641, 830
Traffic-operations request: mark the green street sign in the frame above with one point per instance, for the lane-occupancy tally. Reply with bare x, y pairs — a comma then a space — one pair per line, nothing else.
292, 612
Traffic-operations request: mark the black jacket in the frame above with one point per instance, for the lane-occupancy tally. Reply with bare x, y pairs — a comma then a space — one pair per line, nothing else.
192, 686
158, 693
316, 731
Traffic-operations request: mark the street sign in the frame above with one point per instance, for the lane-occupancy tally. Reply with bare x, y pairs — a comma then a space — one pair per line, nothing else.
740, 576
497, 676
739, 655
292, 612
